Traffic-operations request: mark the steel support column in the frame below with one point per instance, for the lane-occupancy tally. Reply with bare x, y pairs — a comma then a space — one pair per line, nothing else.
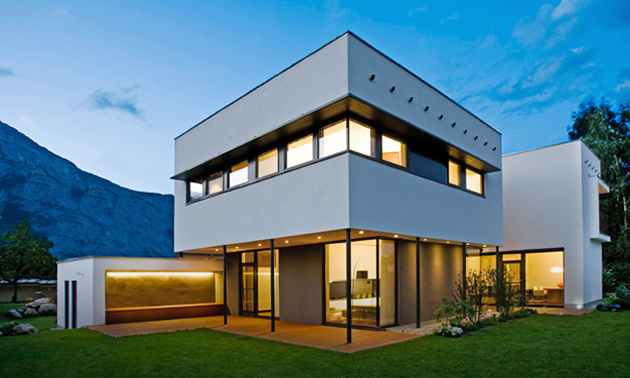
225, 306
273, 287
348, 287
418, 299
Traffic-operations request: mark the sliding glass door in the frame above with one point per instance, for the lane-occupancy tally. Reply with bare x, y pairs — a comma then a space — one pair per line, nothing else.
373, 283
255, 283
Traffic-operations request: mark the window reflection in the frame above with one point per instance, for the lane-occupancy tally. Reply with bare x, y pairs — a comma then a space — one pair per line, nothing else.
267, 163
238, 174
215, 183
361, 138
333, 139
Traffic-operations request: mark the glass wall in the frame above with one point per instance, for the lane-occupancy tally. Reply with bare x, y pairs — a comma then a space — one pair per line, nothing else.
544, 278
366, 277
300, 151
333, 139
256, 283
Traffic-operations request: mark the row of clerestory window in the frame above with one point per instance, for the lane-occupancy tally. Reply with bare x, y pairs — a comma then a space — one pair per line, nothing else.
346, 134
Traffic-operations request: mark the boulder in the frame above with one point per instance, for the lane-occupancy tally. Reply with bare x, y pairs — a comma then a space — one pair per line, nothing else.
24, 329
14, 314
32, 305
30, 312
21, 310
42, 301
48, 309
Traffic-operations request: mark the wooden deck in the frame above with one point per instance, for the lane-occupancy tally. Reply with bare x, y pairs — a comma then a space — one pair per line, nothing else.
317, 336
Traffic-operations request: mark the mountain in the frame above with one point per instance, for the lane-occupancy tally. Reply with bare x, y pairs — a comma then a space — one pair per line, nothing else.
81, 213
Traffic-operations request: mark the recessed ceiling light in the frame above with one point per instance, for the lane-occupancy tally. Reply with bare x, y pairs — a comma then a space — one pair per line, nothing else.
484, 245
319, 237
425, 239
448, 242
395, 236
260, 245
286, 241
236, 247
467, 243
217, 249
360, 232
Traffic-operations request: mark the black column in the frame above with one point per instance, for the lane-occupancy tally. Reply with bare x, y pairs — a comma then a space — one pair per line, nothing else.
74, 304
418, 303
273, 287
225, 305
498, 262
348, 288
66, 295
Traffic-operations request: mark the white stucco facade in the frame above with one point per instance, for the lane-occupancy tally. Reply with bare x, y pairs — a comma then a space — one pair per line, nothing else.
551, 200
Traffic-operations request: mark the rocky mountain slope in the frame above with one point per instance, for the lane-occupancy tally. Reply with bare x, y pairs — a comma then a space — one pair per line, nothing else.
81, 213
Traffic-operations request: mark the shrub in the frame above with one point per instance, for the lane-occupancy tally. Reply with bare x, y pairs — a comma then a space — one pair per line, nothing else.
6, 329
448, 330
506, 291
471, 327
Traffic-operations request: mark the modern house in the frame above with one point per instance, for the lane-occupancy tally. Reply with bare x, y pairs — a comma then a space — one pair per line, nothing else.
347, 191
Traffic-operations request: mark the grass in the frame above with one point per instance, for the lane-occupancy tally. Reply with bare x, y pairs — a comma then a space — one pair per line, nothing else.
596, 344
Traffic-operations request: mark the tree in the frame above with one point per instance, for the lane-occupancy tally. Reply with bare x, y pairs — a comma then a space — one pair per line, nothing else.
25, 255
607, 133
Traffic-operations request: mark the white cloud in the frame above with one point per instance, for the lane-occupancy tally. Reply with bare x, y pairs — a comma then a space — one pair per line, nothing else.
417, 10
334, 11
579, 50
489, 41
568, 8
623, 86
449, 18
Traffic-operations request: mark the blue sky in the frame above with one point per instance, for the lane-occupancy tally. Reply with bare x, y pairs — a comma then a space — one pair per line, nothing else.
108, 85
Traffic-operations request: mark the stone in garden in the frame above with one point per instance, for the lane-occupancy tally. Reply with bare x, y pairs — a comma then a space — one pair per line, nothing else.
32, 305
48, 309
21, 310
42, 301
30, 312
14, 314
24, 329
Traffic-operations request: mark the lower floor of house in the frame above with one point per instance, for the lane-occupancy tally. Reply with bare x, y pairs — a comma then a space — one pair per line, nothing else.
375, 282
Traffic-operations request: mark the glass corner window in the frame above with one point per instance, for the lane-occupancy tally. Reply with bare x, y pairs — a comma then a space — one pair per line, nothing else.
196, 189
454, 173
361, 138
238, 174
333, 139
394, 151
474, 181
215, 183
267, 163
300, 151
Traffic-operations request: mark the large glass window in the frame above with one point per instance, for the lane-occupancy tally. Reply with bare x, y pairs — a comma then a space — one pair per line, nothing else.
454, 173
361, 138
333, 139
544, 278
195, 189
238, 174
474, 181
267, 163
300, 151
365, 283
394, 151
215, 183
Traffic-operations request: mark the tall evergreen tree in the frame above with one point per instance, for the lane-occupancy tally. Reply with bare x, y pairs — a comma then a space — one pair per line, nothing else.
607, 132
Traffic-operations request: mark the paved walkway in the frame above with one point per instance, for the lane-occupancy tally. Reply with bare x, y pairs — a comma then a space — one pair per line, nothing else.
317, 336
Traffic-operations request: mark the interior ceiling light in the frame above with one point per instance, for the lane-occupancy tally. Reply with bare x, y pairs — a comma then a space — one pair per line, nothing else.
425, 239
236, 247
448, 242
484, 245
319, 237
260, 245
395, 236
286, 241
361, 232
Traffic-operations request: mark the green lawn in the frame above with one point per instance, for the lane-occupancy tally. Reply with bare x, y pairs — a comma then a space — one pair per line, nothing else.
593, 345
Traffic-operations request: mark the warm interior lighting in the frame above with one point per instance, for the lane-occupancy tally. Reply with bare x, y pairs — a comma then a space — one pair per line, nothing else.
484, 245
556, 269
333, 139
473, 181
236, 247
286, 241
448, 242
238, 174
217, 249
454, 175
425, 239
260, 245
267, 163
215, 183
155, 274
394, 151
300, 151
395, 236
319, 237
360, 232
361, 139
